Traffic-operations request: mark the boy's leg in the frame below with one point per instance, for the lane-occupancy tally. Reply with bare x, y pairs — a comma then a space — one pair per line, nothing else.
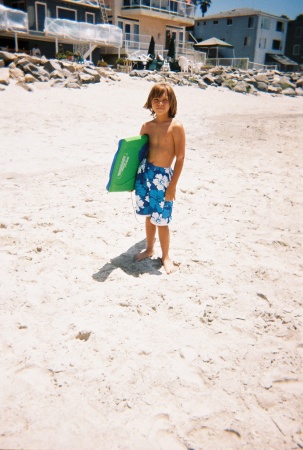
164, 238
150, 230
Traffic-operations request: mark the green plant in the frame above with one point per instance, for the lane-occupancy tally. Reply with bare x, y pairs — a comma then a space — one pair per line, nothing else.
69, 53
102, 64
121, 61
60, 55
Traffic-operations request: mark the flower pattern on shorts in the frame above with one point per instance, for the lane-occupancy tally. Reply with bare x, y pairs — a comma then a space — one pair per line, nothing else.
151, 184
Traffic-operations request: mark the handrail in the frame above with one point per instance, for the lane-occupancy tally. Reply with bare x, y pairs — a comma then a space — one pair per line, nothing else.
172, 7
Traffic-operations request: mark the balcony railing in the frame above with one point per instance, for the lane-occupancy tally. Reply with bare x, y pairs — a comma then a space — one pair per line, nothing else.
172, 7
138, 44
93, 3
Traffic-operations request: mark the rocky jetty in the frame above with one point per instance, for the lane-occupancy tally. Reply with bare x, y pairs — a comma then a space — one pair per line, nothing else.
23, 70
243, 81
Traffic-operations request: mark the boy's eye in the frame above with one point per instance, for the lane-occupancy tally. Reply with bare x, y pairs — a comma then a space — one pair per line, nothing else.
157, 100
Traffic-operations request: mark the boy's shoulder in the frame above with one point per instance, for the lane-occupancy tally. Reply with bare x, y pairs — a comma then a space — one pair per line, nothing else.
176, 124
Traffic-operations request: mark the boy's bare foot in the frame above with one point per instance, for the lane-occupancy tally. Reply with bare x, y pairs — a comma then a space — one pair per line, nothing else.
143, 255
169, 266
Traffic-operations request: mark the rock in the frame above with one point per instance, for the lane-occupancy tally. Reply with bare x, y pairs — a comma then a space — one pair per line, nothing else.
208, 79
16, 73
7, 57
299, 91
52, 65
86, 78
57, 74
261, 78
274, 90
299, 82
2, 63
262, 86
229, 83
28, 78
24, 86
286, 83
289, 91
72, 85
242, 87
4, 76
202, 85
94, 73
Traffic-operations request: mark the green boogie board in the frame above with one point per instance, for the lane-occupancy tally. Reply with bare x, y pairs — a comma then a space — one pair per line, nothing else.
125, 164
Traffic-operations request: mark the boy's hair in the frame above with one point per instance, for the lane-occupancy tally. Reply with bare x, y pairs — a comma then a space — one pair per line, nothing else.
156, 92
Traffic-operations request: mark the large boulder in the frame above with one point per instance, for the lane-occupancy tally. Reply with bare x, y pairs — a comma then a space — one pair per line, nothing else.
52, 65
242, 87
16, 73
261, 78
4, 76
7, 57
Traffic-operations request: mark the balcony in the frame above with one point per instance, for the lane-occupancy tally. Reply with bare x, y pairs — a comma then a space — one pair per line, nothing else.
165, 9
92, 3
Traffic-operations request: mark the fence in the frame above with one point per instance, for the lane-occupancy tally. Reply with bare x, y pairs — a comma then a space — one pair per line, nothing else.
253, 65
239, 63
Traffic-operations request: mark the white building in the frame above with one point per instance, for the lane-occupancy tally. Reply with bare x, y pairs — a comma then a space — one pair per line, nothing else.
253, 34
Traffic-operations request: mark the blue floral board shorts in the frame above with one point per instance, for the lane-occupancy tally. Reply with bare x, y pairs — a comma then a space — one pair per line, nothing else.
150, 187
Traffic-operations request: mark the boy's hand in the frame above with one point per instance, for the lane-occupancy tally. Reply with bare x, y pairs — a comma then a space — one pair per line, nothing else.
170, 194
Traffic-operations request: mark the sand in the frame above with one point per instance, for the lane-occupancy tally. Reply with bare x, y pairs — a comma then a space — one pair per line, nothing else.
100, 352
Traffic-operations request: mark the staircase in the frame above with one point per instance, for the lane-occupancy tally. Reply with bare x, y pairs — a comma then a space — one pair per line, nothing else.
104, 17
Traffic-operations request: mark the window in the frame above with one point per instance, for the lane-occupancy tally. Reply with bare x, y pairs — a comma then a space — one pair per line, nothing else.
40, 9
229, 21
250, 22
65, 13
247, 41
299, 32
262, 43
89, 17
136, 32
265, 23
127, 31
276, 45
19, 5
296, 50
215, 22
280, 26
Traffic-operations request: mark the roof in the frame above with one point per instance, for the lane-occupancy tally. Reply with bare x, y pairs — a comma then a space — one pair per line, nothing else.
238, 13
213, 42
282, 59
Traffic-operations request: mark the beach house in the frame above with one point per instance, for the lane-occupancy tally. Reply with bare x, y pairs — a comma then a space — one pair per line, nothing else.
95, 28
255, 35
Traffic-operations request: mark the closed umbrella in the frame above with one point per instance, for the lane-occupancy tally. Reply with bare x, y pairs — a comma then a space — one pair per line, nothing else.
151, 48
171, 49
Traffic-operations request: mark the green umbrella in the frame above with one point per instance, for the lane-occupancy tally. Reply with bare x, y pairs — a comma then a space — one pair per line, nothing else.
171, 49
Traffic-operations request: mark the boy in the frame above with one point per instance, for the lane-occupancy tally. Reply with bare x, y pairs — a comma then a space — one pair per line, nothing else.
156, 181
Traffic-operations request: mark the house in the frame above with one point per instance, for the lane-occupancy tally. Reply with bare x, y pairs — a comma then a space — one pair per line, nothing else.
77, 25
51, 22
294, 40
253, 34
162, 19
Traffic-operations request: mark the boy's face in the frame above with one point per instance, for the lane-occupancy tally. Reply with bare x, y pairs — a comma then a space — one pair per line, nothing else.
161, 105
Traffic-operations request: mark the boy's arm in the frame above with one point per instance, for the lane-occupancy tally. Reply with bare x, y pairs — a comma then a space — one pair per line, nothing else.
179, 141
143, 130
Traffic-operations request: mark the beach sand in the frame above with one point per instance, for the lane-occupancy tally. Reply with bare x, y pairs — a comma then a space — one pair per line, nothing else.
101, 352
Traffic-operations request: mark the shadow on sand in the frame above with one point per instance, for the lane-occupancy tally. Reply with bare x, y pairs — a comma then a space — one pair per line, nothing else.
126, 262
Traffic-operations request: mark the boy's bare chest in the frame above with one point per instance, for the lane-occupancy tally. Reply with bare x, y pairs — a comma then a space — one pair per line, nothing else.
161, 136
